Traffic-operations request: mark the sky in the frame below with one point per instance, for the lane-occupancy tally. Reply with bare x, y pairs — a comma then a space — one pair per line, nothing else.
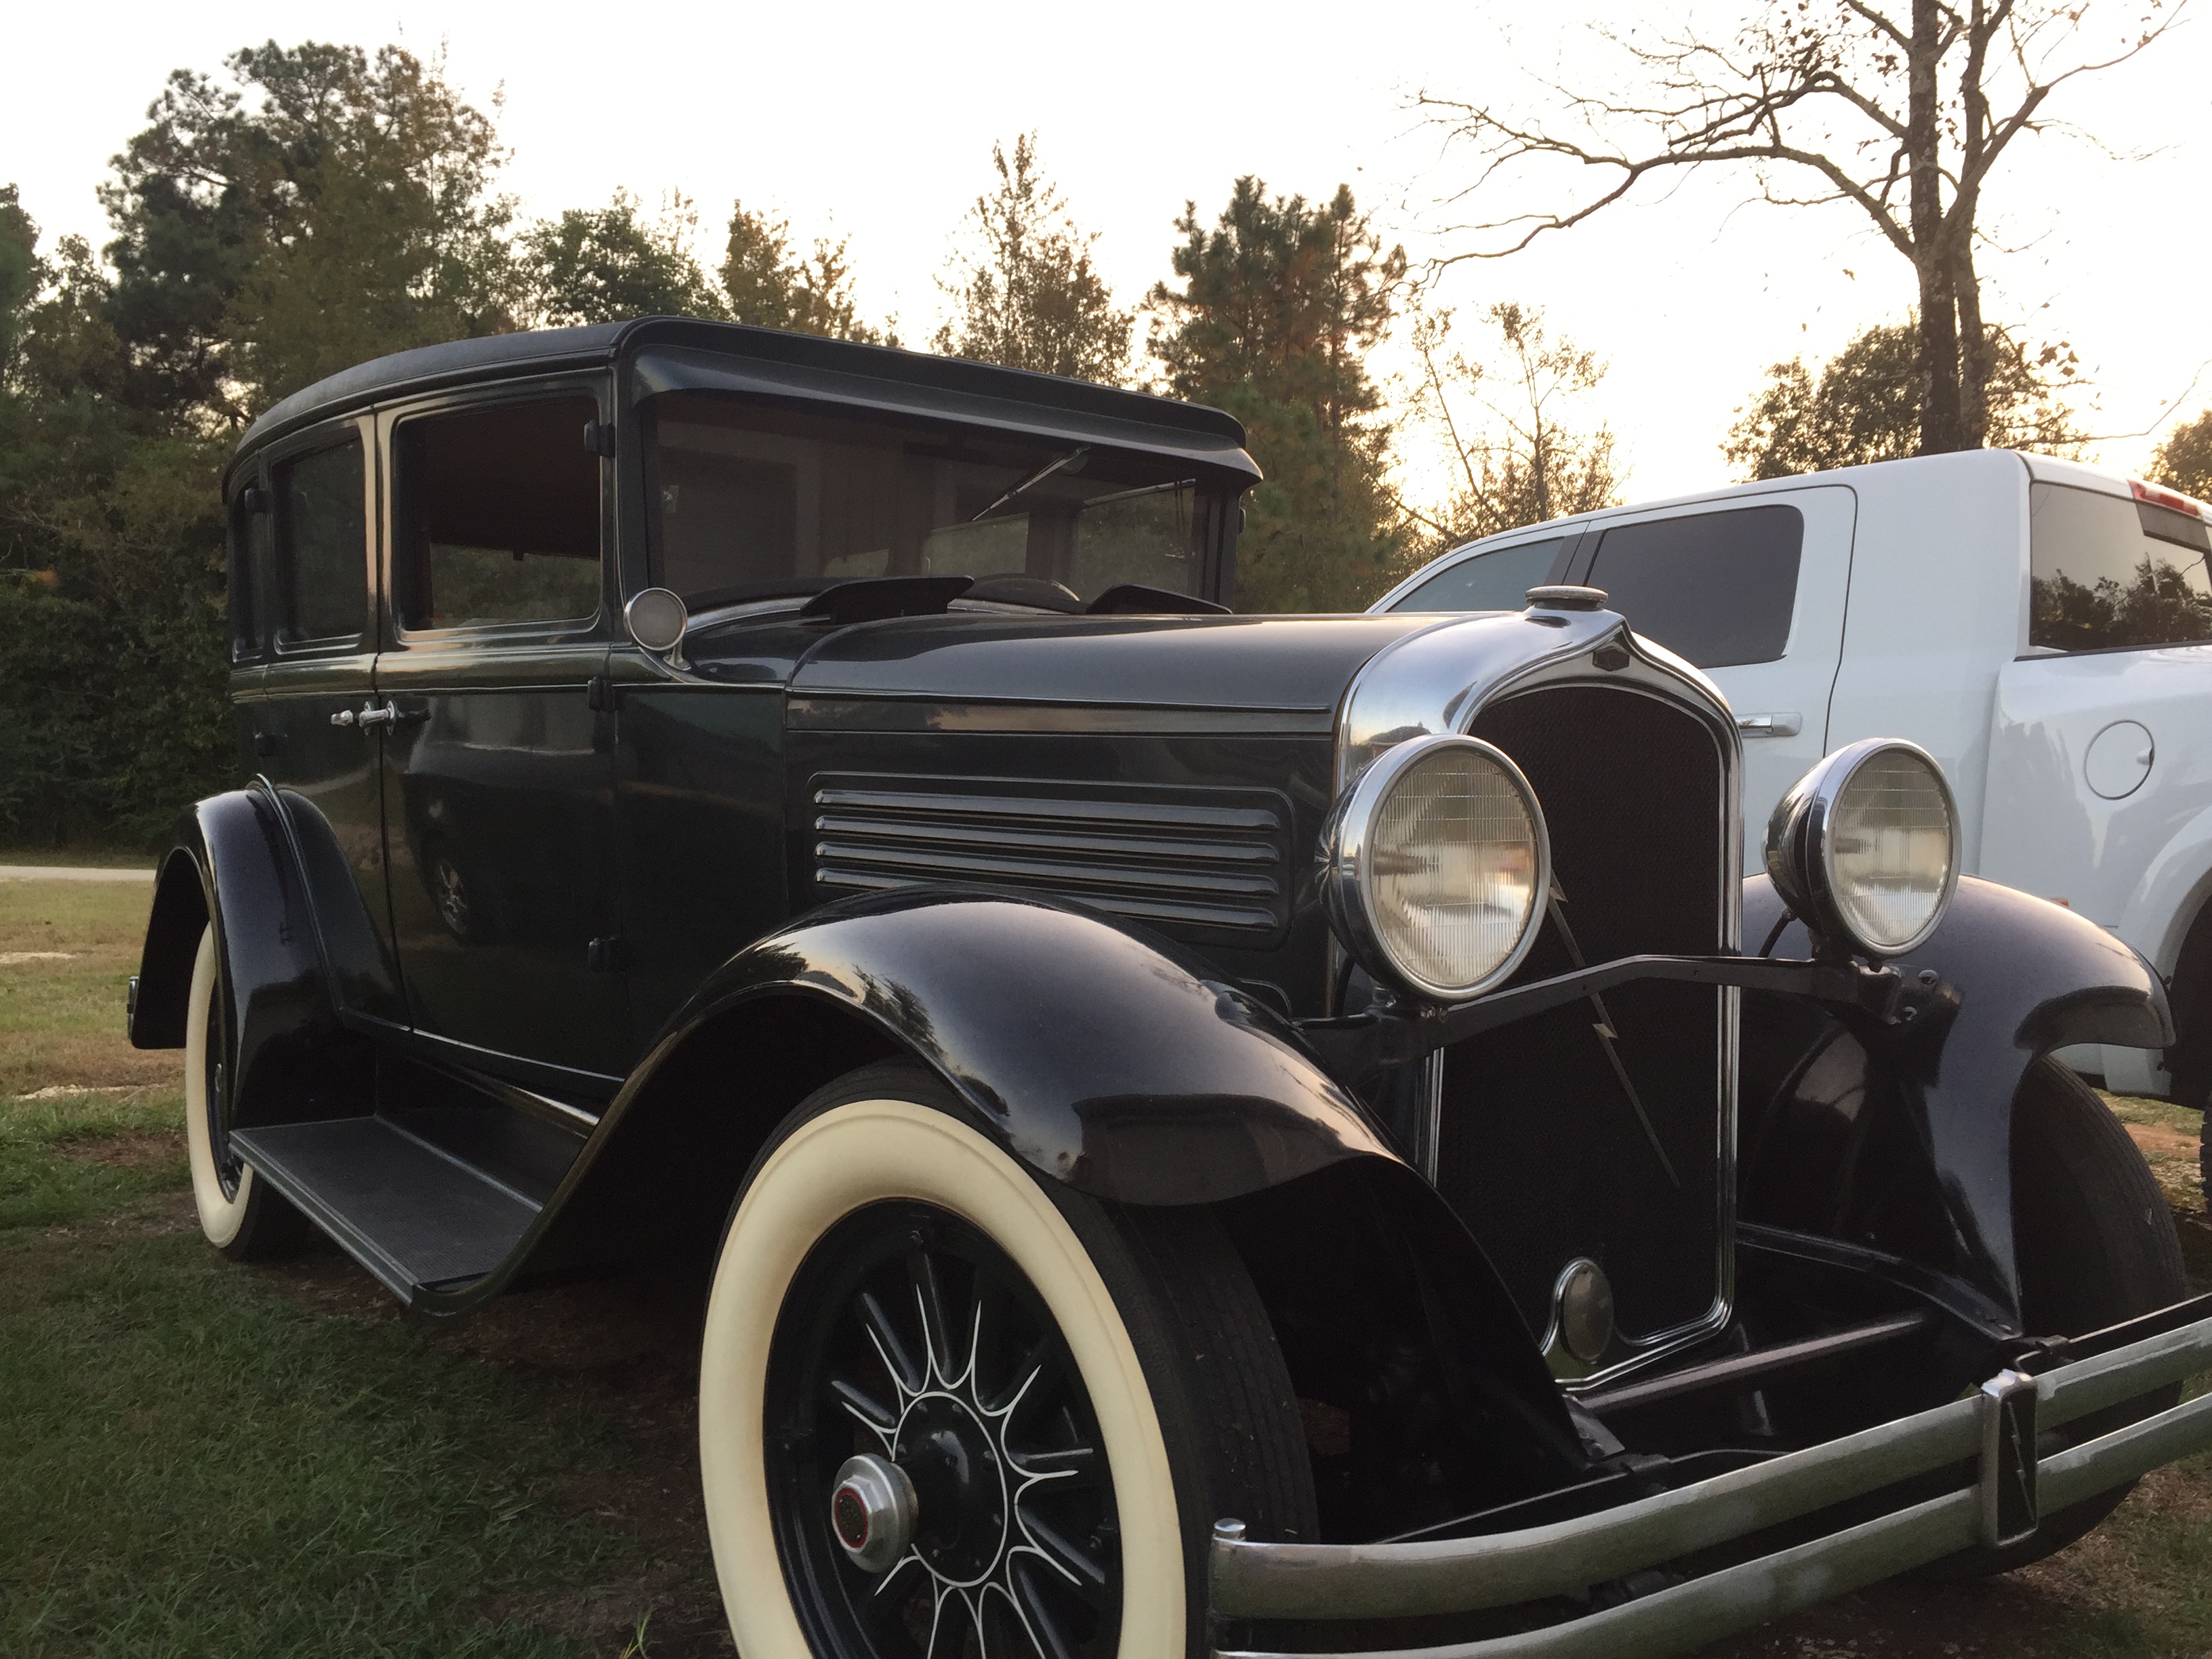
876, 122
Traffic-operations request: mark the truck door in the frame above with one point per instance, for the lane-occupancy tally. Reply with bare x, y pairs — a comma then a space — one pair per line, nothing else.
1752, 592
2100, 757
499, 775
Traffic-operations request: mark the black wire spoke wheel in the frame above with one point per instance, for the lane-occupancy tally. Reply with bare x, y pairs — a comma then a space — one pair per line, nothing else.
910, 1336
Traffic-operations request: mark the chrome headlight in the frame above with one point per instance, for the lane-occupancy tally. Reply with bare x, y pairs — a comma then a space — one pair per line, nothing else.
1866, 846
1436, 864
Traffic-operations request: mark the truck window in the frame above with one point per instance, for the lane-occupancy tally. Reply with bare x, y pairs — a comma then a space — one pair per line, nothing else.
1717, 588
745, 502
1496, 580
322, 545
2108, 573
498, 511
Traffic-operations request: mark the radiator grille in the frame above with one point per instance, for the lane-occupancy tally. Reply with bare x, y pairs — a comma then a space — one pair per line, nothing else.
1208, 864
1541, 1146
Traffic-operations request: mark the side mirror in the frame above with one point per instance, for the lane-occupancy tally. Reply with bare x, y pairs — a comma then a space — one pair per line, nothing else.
656, 619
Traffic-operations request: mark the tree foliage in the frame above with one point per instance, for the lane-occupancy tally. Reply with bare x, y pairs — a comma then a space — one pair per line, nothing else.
1281, 301
1025, 289
2185, 459
1514, 459
1863, 405
767, 284
322, 208
113, 699
608, 265
1903, 114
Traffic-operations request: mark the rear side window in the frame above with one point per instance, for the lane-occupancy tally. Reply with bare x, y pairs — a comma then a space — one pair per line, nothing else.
1717, 588
498, 516
2108, 573
1496, 580
322, 544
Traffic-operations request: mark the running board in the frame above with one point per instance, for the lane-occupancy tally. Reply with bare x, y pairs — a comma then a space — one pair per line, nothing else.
413, 1213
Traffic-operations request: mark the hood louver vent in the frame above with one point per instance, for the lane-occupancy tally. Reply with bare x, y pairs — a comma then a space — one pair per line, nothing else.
1208, 864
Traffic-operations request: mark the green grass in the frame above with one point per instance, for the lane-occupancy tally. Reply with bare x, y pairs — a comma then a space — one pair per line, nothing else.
202, 1458
102, 858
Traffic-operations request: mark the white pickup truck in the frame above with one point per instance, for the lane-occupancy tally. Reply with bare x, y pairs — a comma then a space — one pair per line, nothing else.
2045, 629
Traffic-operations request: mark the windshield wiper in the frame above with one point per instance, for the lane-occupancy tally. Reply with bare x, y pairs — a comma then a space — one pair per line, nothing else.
1034, 480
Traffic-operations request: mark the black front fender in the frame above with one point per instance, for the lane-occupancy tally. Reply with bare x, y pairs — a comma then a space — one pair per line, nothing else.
1902, 1141
1109, 1060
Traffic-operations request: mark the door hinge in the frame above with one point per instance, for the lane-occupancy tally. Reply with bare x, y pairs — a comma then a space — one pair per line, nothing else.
268, 744
598, 438
600, 693
606, 955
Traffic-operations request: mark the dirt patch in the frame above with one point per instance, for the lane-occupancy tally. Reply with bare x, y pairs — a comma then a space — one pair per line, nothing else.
129, 1149
2157, 1140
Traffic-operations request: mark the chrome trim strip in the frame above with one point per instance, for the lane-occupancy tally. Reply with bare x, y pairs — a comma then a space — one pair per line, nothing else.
1352, 1580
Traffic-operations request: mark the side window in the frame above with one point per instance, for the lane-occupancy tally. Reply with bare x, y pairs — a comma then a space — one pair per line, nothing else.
1496, 580
244, 565
498, 515
322, 544
1715, 587
2107, 573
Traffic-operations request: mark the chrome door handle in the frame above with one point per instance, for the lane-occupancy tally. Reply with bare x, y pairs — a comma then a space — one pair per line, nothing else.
378, 714
1784, 724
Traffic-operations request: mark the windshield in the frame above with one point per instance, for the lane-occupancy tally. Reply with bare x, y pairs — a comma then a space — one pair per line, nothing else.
745, 502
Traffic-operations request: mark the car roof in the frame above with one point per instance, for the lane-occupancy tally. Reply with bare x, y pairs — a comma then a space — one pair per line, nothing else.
883, 377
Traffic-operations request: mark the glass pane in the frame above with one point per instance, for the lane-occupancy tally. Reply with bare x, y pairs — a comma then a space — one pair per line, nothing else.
745, 502
322, 530
2100, 582
499, 515
1717, 588
1496, 580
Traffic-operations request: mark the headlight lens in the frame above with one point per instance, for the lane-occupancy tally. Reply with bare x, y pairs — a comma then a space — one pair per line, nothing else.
1437, 867
1867, 845
1890, 847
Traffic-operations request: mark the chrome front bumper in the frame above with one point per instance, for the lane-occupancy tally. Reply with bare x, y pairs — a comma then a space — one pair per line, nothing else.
1996, 1429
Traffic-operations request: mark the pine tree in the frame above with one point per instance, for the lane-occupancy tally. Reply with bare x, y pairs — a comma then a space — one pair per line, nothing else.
1280, 304
1025, 290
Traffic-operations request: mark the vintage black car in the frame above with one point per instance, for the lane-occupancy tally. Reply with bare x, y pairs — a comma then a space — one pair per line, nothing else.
1217, 1133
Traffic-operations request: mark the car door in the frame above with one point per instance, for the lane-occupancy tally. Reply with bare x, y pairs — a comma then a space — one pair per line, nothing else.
319, 629
498, 808
1751, 591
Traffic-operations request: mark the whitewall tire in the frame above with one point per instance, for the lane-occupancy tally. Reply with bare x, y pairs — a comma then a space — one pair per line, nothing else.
239, 1215
878, 1175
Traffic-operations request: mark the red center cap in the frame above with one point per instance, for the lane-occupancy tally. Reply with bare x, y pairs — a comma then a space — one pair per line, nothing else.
848, 1513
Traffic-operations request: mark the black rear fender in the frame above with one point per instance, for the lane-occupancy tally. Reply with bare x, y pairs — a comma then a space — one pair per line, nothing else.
233, 861
1900, 1140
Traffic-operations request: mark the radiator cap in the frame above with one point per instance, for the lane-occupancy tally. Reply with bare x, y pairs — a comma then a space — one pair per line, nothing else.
1567, 599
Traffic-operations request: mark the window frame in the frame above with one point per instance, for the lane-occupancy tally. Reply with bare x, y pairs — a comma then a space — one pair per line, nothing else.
596, 385
275, 579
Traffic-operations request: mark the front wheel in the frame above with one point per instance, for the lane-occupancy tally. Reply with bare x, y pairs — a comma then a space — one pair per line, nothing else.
241, 1216
968, 1414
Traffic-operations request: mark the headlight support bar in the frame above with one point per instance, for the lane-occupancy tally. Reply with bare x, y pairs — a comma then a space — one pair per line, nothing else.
1357, 1046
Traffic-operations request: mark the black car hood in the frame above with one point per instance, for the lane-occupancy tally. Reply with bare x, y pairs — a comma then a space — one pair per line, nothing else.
1288, 663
